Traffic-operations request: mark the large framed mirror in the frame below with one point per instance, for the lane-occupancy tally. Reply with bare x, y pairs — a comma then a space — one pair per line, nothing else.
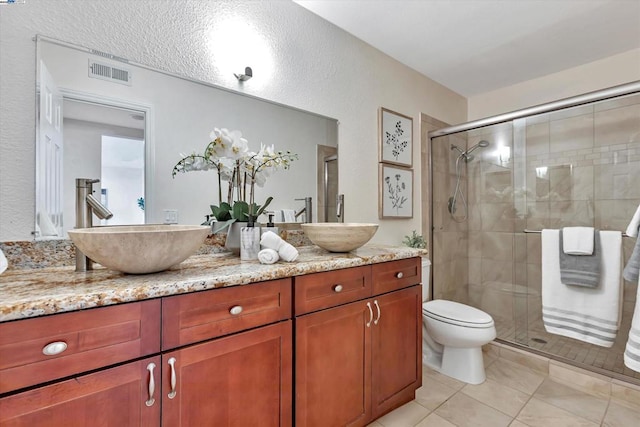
126, 124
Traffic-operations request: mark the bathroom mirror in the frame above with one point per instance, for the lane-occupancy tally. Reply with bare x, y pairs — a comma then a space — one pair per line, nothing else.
108, 118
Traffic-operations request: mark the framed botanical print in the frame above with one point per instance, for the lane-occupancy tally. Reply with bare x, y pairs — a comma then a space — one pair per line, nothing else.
395, 192
396, 138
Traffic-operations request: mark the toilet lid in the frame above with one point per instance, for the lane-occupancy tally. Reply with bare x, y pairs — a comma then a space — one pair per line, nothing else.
456, 313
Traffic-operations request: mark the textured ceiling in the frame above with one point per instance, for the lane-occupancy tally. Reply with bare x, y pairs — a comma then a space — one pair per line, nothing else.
475, 46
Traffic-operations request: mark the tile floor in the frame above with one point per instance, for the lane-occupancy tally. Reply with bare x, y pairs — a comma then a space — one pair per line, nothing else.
521, 390
610, 359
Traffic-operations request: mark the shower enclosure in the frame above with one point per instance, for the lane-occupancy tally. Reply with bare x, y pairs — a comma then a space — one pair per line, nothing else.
575, 162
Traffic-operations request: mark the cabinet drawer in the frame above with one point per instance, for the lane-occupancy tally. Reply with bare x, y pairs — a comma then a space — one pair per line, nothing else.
204, 315
317, 291
94, 338
392, 275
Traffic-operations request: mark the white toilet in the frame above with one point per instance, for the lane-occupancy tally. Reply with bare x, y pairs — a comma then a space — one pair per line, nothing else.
453, 335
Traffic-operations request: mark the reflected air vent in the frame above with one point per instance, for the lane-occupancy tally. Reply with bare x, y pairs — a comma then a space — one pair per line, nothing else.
103, 71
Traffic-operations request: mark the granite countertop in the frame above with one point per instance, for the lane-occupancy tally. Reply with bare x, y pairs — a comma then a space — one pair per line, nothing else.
38, 292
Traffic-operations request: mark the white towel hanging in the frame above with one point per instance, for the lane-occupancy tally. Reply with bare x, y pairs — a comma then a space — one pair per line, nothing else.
588, 314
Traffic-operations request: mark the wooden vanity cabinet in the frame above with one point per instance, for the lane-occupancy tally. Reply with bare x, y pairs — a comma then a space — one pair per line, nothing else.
240, 379
113, 397
225, 360
356, 361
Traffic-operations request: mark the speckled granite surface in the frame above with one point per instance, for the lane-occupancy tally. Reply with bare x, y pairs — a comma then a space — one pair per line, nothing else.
59, 253
37, 292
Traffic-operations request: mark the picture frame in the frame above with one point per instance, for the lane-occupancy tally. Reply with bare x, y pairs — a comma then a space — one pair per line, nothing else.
395, 192
395, 138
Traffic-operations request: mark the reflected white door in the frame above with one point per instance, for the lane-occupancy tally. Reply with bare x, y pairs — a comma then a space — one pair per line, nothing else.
49, 158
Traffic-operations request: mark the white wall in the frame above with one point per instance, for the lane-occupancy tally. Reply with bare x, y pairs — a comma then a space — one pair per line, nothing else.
312, 65
608, 72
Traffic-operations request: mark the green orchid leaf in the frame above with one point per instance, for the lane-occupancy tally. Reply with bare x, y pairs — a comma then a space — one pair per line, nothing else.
240, 211
261, 209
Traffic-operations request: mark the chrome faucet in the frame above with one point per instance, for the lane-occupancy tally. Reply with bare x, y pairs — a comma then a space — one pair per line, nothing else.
340, 207
86, 205
307, 210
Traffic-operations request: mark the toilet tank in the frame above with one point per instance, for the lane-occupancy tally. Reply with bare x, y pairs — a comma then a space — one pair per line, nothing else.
426, 270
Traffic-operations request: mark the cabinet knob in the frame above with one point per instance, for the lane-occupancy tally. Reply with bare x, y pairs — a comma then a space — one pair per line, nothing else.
54, 348
235, 310
337, 288
399, 275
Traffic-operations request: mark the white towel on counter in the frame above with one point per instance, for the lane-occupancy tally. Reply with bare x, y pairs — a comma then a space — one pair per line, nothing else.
632, 350
578, 240
3, 262
632, 228
286, 251
588, 314
268, 256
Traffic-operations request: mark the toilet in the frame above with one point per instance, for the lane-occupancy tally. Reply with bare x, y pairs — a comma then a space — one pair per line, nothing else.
453, 335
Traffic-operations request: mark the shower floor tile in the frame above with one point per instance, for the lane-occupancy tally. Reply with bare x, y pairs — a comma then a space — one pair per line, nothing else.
610, 359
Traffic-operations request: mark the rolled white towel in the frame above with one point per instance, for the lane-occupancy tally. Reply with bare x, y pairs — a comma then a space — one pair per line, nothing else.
268, 256
288, 252
632, 228
3, 262
271, 240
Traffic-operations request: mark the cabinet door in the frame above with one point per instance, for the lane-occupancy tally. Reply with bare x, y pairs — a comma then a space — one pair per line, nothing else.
239, 380
396, 348
115, 397
333, 369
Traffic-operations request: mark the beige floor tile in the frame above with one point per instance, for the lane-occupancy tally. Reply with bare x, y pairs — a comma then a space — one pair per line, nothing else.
588, 382
434, 420
431, 396
407, 415
515, 376
429, 375
577, 402
498, 396
531, 361
537, 413
516, 423
375, 424
464, 411
627, 395
620, 416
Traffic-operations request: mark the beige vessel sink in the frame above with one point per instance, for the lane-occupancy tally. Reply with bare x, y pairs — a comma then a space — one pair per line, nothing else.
339, 237
139, 249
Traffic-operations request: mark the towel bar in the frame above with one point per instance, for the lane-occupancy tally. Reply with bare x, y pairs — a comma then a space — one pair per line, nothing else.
540, 231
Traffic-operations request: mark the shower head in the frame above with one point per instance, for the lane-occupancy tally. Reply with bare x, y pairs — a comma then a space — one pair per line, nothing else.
481, 144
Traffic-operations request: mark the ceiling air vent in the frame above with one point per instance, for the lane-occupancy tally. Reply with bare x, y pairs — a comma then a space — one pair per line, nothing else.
98, 70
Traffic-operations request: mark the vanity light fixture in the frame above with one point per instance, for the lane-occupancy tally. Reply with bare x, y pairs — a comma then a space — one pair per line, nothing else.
248, 73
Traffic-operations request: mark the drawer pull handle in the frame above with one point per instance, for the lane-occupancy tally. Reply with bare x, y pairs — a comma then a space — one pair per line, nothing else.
152, 384
172, 363
375, 322
370, 315
54, 348
337, 288
235, 310
399, 275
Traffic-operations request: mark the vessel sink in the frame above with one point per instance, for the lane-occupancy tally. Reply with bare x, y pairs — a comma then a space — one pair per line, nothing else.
339, 237
139, 249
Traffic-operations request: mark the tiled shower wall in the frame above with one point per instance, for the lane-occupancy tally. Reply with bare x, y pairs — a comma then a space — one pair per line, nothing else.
579, 166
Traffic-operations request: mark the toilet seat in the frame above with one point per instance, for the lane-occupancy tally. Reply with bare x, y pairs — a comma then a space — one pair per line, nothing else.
457, 314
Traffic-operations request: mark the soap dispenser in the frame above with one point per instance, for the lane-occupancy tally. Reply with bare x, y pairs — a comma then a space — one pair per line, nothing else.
270, 225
